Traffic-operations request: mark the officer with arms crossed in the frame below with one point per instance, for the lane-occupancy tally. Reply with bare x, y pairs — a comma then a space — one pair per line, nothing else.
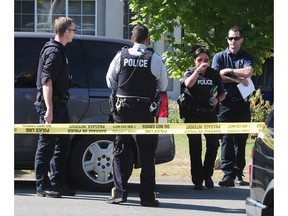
53, 80
234, 66
135, 74
206, 90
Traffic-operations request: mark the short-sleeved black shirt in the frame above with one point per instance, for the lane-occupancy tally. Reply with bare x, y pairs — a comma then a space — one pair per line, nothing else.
226, 59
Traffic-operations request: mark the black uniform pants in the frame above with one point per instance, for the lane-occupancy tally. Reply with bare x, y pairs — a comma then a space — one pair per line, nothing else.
52, 150
233, 145
125, 151
199, 170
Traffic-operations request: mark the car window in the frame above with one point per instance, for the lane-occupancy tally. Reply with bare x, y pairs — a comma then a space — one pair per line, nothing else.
26, 59
98, 56
76, 65
26, 56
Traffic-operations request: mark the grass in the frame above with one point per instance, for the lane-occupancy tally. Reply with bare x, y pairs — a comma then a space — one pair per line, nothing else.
19, 173
179, 167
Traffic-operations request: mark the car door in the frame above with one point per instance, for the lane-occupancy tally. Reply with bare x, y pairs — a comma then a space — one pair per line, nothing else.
27, 48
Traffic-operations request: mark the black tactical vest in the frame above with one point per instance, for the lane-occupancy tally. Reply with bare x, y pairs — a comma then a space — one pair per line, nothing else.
135, 77
60, 78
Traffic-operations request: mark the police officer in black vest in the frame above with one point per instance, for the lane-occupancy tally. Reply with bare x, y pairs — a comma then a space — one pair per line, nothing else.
206, 90
135, 74
53, 80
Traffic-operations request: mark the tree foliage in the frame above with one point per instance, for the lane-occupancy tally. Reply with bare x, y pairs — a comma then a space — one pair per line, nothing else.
206, 22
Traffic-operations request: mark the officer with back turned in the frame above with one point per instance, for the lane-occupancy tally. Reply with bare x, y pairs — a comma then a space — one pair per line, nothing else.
135, 74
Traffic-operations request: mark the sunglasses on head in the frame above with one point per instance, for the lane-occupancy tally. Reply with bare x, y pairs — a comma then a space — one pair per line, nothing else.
200, 60
234, 38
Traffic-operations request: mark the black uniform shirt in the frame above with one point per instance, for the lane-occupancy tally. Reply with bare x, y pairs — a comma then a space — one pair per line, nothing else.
226, 59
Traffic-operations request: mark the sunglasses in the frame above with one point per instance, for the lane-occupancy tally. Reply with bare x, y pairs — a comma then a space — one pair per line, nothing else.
200, 60
234, 38
74, 30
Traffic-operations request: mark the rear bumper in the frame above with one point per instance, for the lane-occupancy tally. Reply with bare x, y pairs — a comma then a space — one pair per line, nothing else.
253, 207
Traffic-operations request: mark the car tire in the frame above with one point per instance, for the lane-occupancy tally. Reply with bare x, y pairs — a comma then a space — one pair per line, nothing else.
90, 162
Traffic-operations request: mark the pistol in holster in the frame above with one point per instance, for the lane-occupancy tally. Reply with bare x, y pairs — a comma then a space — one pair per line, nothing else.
40, 100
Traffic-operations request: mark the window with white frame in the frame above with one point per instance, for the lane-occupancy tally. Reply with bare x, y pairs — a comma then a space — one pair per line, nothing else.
39, 15
24, 15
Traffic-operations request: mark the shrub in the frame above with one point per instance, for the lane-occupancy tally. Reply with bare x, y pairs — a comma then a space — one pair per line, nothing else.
259, 107
174, 112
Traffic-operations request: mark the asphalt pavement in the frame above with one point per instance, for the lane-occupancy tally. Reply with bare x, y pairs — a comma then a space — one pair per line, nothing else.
176, 196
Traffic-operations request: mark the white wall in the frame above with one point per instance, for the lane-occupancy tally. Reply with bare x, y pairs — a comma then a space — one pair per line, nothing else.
176, 83
114, 18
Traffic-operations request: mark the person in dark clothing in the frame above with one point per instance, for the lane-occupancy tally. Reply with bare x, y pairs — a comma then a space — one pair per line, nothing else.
53, 80
206, 90
234, 66
135, 74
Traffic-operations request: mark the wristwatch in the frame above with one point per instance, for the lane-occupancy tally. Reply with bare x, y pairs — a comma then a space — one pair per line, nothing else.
232, 72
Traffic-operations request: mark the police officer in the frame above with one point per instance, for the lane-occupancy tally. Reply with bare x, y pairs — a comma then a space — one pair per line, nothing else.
234, 66
206, 91
135, 74
51, 106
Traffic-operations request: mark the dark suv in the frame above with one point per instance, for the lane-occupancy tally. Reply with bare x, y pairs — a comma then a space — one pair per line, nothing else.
90, 163
261, 173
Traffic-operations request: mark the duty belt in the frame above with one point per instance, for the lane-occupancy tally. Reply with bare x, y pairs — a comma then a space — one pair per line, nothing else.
202, 110
63, 98
234, 99
60, 99
141, 100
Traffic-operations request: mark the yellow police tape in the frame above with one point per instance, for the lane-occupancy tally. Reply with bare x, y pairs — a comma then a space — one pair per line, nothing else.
141, 128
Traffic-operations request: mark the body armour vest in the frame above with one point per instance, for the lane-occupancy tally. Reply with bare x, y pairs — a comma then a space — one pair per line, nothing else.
135, 77
61, 78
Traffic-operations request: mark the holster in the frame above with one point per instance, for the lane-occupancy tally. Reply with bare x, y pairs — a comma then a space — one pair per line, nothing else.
156, 104
185, 103
40, 100
112, 101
